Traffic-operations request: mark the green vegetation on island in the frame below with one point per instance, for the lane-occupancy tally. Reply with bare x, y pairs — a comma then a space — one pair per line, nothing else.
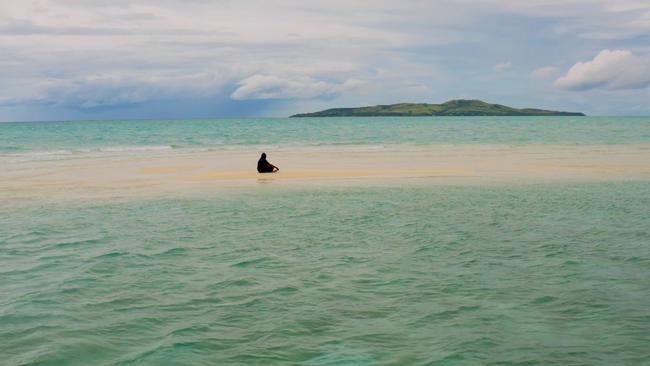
460, 107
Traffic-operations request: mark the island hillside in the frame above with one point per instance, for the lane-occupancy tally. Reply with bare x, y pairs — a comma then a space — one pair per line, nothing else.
460, 107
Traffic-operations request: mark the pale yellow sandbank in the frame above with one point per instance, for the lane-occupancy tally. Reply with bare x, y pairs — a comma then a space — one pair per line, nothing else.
92, 176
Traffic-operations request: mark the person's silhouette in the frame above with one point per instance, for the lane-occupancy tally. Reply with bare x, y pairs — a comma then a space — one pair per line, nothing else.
263, 166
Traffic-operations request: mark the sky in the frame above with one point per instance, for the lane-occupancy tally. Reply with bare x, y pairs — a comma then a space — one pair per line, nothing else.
155, 59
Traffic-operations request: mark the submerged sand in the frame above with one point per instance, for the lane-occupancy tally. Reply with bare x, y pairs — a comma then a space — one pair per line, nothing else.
101, 175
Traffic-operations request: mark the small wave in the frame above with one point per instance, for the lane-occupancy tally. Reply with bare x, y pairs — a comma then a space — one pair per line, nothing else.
135, 148
251, 262
40, 153
78, 243
544, 299
233, 283
80, 152
112, 255
5, 149
173, 251
286, 290
334, 147
305, 147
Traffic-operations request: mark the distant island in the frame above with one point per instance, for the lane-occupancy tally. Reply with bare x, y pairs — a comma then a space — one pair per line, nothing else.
459, 107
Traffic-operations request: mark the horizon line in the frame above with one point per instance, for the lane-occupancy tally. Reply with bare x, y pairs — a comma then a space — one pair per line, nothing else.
289, 117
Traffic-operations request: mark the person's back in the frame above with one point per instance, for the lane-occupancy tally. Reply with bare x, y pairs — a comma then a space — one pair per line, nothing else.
263, 166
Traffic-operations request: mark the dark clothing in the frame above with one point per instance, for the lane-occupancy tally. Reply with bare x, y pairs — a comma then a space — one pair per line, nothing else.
264, 166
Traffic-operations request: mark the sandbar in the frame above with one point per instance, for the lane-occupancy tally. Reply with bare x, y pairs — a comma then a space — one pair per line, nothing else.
119, 175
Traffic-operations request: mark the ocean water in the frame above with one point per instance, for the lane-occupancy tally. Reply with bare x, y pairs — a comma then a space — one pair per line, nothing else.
402, 273
79, 137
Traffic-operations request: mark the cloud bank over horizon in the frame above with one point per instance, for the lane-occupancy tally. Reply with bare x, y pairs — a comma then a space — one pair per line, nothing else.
72, 59
610, 69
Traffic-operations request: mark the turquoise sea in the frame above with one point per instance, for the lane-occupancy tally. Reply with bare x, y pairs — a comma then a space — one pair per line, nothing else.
402, 273
78, 137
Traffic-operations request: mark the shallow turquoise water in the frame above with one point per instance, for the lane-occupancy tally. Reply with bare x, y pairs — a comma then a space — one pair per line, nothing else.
554, 274
119, 136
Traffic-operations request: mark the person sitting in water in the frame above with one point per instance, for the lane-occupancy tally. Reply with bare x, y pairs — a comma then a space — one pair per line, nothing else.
263, 166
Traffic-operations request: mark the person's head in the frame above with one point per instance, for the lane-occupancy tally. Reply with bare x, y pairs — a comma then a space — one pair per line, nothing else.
263, 155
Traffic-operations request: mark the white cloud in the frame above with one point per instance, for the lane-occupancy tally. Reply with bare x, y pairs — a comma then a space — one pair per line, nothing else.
543, 73
504, 66
115, 90
587, 19
273, 87
618, 69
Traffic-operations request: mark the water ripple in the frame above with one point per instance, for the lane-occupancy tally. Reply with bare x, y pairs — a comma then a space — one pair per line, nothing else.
554, 274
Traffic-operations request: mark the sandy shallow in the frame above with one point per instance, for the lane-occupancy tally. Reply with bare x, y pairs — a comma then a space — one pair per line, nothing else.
101, 175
